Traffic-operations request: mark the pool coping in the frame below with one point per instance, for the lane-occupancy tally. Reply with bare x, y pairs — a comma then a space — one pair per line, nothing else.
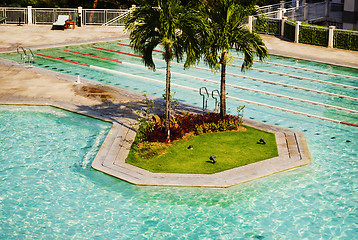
110, 159
292, 148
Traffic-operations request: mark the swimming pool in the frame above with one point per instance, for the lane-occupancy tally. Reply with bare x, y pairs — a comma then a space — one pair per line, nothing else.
315, 201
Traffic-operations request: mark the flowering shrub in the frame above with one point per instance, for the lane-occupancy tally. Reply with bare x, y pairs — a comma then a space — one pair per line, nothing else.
186, 123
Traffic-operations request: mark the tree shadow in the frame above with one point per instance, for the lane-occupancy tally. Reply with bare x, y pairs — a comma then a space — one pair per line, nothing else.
125, 112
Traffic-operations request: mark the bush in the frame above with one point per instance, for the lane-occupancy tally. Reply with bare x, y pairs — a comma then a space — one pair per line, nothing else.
313, 35
196, 123
274, 27
289, 31
261, 25
345, 39
268, 26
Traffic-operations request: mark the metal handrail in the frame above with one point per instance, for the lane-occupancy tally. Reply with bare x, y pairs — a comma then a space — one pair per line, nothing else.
22, 57
30, 57
217, 102
205, 102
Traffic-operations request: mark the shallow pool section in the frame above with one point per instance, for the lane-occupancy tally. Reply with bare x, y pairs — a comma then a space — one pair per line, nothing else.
45, 161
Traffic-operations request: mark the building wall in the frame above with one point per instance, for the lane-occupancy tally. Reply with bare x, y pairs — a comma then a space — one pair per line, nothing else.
350, 15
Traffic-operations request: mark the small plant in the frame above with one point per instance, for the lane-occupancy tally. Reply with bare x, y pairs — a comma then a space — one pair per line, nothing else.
198, 130
148, 111
240, 113
174, 103
144, 123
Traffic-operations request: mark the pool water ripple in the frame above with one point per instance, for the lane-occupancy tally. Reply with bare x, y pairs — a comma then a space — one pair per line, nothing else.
57, 195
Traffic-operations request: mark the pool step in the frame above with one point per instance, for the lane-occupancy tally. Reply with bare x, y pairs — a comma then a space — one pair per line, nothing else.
292, 146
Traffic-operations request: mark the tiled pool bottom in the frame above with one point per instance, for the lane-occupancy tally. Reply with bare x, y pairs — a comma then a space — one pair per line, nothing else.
57, 195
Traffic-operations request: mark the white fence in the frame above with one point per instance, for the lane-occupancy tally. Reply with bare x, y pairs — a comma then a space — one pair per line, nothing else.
14, 15
47, 16
299, 10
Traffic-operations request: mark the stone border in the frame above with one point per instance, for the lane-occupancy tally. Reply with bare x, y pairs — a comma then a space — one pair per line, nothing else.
292, 149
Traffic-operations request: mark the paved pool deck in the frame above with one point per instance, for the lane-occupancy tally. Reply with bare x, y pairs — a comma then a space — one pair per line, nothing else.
20, 84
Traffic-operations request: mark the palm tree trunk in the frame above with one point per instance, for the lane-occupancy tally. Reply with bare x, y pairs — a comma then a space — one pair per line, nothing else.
167, 101
222, 85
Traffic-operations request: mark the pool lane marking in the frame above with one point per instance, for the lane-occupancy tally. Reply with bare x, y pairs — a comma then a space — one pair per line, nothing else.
274, 83
298, 77
235, 98
283, 65
127, 45
350, 124
215, 82
110, 50
70, 61
196, 90
247, 77
305, 69
265, 81
94, 56
268, 93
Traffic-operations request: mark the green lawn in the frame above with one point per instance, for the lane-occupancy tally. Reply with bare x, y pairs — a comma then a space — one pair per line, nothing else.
232, 149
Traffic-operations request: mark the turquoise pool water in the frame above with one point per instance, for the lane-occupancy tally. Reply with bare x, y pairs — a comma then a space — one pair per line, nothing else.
65, 198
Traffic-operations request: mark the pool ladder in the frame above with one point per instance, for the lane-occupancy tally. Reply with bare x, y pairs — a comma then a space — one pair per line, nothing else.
203, 91
25, 54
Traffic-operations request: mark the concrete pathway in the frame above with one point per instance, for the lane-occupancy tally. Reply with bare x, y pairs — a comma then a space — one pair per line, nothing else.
277, 46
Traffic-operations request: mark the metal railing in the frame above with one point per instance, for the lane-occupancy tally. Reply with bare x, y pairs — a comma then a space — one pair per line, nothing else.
117, 20
104, 16
14, 15
275, 7
47, 16
313, 12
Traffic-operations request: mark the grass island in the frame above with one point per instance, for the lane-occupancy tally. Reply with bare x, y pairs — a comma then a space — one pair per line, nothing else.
231, 149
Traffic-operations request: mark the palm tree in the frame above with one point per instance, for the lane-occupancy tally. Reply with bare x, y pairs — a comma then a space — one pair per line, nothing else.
227, 32
166, 23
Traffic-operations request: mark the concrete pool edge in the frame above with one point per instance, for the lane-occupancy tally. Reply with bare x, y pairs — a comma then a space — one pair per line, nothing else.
110, 158
292, 148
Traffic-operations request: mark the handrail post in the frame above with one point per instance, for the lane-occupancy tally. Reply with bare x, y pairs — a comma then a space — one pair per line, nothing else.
297, 31
305, 12
282, 4
205, 102
330, 36
79, 16
29, 15
279, 13
283, 21
326, 9
249, 24
217, 103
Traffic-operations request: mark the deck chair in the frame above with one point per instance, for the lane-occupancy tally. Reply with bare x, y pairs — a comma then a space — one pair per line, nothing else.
60, 23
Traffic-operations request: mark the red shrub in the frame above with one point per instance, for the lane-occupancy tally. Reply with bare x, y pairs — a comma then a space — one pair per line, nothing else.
182, 124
